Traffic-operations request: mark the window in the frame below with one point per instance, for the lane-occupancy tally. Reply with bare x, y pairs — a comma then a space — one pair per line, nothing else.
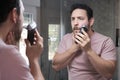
53, 39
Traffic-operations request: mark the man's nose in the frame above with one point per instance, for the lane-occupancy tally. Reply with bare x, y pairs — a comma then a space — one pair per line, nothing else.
76, 23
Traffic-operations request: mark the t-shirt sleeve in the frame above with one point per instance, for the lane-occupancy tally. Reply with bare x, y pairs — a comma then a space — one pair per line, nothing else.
62, 46
109, 50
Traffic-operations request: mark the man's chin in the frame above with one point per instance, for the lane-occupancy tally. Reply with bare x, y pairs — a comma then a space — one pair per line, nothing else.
76, 31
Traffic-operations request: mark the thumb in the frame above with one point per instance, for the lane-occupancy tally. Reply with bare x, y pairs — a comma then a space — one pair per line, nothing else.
27, 43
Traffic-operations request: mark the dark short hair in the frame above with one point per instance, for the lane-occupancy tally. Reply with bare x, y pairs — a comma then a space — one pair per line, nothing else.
84, 7
6, 6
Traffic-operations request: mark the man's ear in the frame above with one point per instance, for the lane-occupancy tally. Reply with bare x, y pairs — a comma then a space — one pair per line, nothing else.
14, 15
91, 21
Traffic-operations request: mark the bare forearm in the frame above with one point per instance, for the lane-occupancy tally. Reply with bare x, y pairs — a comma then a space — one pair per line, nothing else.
104, 67
59, 66
61, 58
36, 71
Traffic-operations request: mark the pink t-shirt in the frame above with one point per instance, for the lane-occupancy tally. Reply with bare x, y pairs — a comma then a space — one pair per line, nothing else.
12, 64
80, 68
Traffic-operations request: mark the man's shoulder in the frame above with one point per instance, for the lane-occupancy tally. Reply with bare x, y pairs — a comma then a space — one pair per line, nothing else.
8, 48
10, 56
100, 36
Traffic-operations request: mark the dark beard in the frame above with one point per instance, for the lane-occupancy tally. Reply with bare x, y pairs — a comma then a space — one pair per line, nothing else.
75, 28
17, 30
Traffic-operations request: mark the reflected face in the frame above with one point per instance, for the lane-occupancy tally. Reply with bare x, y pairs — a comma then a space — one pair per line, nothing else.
17, 29
78, 18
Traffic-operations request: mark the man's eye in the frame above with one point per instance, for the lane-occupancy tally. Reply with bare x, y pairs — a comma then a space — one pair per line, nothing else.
80, 18
72, 19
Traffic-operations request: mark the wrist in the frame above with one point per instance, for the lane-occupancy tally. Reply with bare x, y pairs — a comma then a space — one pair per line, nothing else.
89, 51
72, 50
34, 61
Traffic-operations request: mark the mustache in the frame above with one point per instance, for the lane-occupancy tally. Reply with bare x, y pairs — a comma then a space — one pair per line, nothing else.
76, 28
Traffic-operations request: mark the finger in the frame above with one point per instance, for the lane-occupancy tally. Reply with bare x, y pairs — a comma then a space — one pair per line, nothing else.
11, 36
84, 33
10, 39
37, 33
77, 41
81, 44
79, 38
86, 36
80, 35
38, 37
